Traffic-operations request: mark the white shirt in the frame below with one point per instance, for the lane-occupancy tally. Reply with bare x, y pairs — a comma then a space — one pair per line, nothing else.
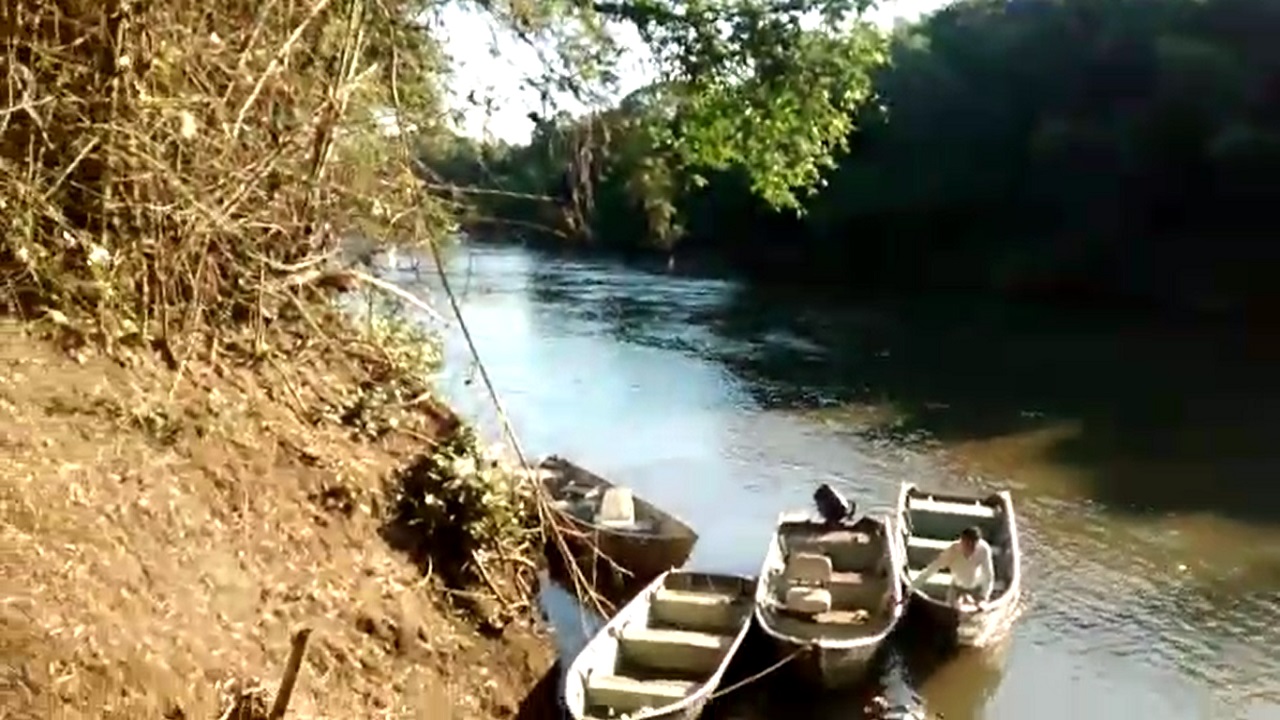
975, 571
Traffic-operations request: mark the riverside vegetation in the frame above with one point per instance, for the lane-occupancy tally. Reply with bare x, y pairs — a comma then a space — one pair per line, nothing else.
202, 451
1081, 150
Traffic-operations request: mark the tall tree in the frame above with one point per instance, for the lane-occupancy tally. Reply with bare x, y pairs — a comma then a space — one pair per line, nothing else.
768, 87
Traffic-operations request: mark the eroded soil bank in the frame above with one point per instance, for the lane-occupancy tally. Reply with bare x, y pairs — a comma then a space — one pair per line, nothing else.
166, 525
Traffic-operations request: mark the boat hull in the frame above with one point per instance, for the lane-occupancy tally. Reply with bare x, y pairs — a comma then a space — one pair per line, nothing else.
948, 624
618, 562
977, 629
724, 610
825, 667
863, 564
639, 557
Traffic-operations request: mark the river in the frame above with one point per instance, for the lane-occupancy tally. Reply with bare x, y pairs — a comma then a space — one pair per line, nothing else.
1144, 459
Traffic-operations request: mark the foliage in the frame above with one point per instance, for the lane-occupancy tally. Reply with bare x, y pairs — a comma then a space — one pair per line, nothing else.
185, 174
769, 97
171, 168
1042, 146
764, 87
454, 502
413, 348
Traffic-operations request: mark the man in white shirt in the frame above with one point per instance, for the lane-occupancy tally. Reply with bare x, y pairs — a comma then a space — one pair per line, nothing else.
972, 573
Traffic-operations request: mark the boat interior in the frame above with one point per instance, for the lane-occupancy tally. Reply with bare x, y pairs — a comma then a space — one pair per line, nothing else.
936, 521
662, 647
833, 583
593, 500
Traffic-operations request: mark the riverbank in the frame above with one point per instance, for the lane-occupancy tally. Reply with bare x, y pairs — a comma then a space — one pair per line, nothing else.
170, 519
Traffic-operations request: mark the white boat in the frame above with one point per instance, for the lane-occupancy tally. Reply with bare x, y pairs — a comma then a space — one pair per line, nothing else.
829, 594
930, 522
664, 653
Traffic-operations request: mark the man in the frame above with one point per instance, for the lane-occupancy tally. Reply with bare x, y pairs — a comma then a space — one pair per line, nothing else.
972, 573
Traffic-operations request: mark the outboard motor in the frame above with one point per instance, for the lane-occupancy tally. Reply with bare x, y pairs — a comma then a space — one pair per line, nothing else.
831, 505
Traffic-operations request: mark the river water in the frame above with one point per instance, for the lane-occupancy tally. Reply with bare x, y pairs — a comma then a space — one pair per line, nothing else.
1144, 460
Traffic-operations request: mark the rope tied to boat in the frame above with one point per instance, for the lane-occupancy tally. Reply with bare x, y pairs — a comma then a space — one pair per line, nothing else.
762, 674
582, 587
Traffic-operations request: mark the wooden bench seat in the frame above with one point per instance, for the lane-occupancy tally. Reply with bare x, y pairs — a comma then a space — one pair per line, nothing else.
943, 580
719, 613
946, 507
924, 543
928, 543
625, 694
681, 651
921, 550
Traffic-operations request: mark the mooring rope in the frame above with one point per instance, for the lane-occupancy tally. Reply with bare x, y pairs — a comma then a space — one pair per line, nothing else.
582, 587
757, 677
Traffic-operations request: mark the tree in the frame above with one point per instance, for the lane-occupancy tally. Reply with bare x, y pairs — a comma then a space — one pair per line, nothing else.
769, 87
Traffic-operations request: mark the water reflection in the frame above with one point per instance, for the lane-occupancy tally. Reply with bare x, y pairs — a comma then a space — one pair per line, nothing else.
1171, 417
957, 685
1139, 455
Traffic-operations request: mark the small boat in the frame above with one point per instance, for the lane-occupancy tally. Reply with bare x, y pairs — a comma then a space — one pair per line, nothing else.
829, 594
930, 523
664, 653
603, 519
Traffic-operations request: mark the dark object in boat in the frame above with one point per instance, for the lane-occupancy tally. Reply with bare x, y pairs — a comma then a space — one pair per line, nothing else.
831, 505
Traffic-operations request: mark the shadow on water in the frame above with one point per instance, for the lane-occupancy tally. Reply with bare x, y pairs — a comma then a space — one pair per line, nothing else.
1167, 416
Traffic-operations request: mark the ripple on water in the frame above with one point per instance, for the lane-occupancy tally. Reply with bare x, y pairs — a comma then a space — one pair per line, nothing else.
653, 380
1096, 595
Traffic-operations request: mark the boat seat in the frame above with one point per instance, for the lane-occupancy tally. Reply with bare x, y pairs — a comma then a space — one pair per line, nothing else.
807, 569
808, 600
943, 580
625, 695
857, 590
674, 650
915, 542
847, 549
617, 508
945, 507
925, 543
716, 612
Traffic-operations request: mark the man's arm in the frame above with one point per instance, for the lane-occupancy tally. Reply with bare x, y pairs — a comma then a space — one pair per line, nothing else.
943, 560
988, 575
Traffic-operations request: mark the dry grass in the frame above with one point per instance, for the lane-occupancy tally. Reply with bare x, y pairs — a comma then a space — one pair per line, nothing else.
175, 181
163, 535
167, 168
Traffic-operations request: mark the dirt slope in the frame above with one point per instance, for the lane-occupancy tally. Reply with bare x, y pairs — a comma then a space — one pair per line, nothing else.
163, 531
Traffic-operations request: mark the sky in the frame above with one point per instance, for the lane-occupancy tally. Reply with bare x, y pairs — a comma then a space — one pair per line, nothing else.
491, 66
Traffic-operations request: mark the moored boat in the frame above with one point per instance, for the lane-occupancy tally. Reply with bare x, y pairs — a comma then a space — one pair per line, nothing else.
665, 652
608, 523
829, 596
930, 523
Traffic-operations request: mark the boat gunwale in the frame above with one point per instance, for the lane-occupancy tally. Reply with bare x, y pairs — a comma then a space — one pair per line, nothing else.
897, 559
1001, 498
645, 597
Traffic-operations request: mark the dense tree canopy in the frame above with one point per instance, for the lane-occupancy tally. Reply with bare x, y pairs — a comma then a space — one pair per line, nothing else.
1114, 146
765, 86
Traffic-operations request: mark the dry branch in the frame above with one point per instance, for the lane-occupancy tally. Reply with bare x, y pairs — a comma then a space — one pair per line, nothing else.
296, 650
163, 165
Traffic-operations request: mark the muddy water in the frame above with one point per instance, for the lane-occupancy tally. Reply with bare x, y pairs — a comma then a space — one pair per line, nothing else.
1145, 462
